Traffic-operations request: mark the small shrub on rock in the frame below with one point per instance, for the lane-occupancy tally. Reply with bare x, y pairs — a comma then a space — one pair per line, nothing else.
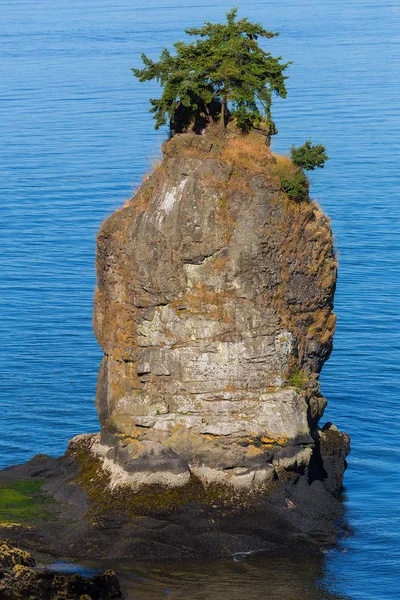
308, 156
299, 379
293, 180
295, 184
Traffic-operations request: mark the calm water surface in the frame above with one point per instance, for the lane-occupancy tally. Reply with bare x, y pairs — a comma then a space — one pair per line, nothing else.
75, 140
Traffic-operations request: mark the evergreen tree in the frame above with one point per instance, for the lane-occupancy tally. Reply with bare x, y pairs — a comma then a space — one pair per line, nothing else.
224, 74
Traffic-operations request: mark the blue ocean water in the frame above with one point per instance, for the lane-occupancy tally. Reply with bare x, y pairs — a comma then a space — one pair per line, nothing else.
75, 140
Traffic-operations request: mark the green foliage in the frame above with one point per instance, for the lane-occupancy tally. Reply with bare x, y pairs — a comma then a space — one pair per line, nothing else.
299, 379
308, 156
295, 184
292, 179
223, 75
22, 502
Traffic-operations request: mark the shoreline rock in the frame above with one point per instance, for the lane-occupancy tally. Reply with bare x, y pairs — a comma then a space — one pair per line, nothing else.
20, 579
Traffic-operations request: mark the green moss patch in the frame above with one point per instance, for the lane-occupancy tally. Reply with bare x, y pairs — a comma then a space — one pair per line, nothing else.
23, 502
299, 380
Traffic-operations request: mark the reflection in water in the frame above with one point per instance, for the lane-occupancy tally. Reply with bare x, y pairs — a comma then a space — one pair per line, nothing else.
282, 577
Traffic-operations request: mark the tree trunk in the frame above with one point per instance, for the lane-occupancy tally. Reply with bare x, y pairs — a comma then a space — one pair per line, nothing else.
222, 118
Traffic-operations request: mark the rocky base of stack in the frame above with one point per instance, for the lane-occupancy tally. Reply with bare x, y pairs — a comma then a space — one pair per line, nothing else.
284, 496
249, 465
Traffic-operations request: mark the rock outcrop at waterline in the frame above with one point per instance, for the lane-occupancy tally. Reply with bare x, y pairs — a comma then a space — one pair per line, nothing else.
20, 579
214, 311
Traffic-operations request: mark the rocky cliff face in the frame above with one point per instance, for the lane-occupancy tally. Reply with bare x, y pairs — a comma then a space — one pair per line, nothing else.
214, 311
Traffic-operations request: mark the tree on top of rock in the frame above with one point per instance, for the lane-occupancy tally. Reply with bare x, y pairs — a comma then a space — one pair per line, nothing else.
224, 75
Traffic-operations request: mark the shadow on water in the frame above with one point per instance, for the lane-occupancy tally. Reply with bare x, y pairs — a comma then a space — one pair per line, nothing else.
269, 577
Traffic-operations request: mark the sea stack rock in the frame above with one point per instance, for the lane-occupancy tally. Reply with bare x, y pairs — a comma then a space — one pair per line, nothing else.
214, 309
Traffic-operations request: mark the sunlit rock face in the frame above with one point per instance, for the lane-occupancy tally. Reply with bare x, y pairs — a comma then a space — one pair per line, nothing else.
214, 312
